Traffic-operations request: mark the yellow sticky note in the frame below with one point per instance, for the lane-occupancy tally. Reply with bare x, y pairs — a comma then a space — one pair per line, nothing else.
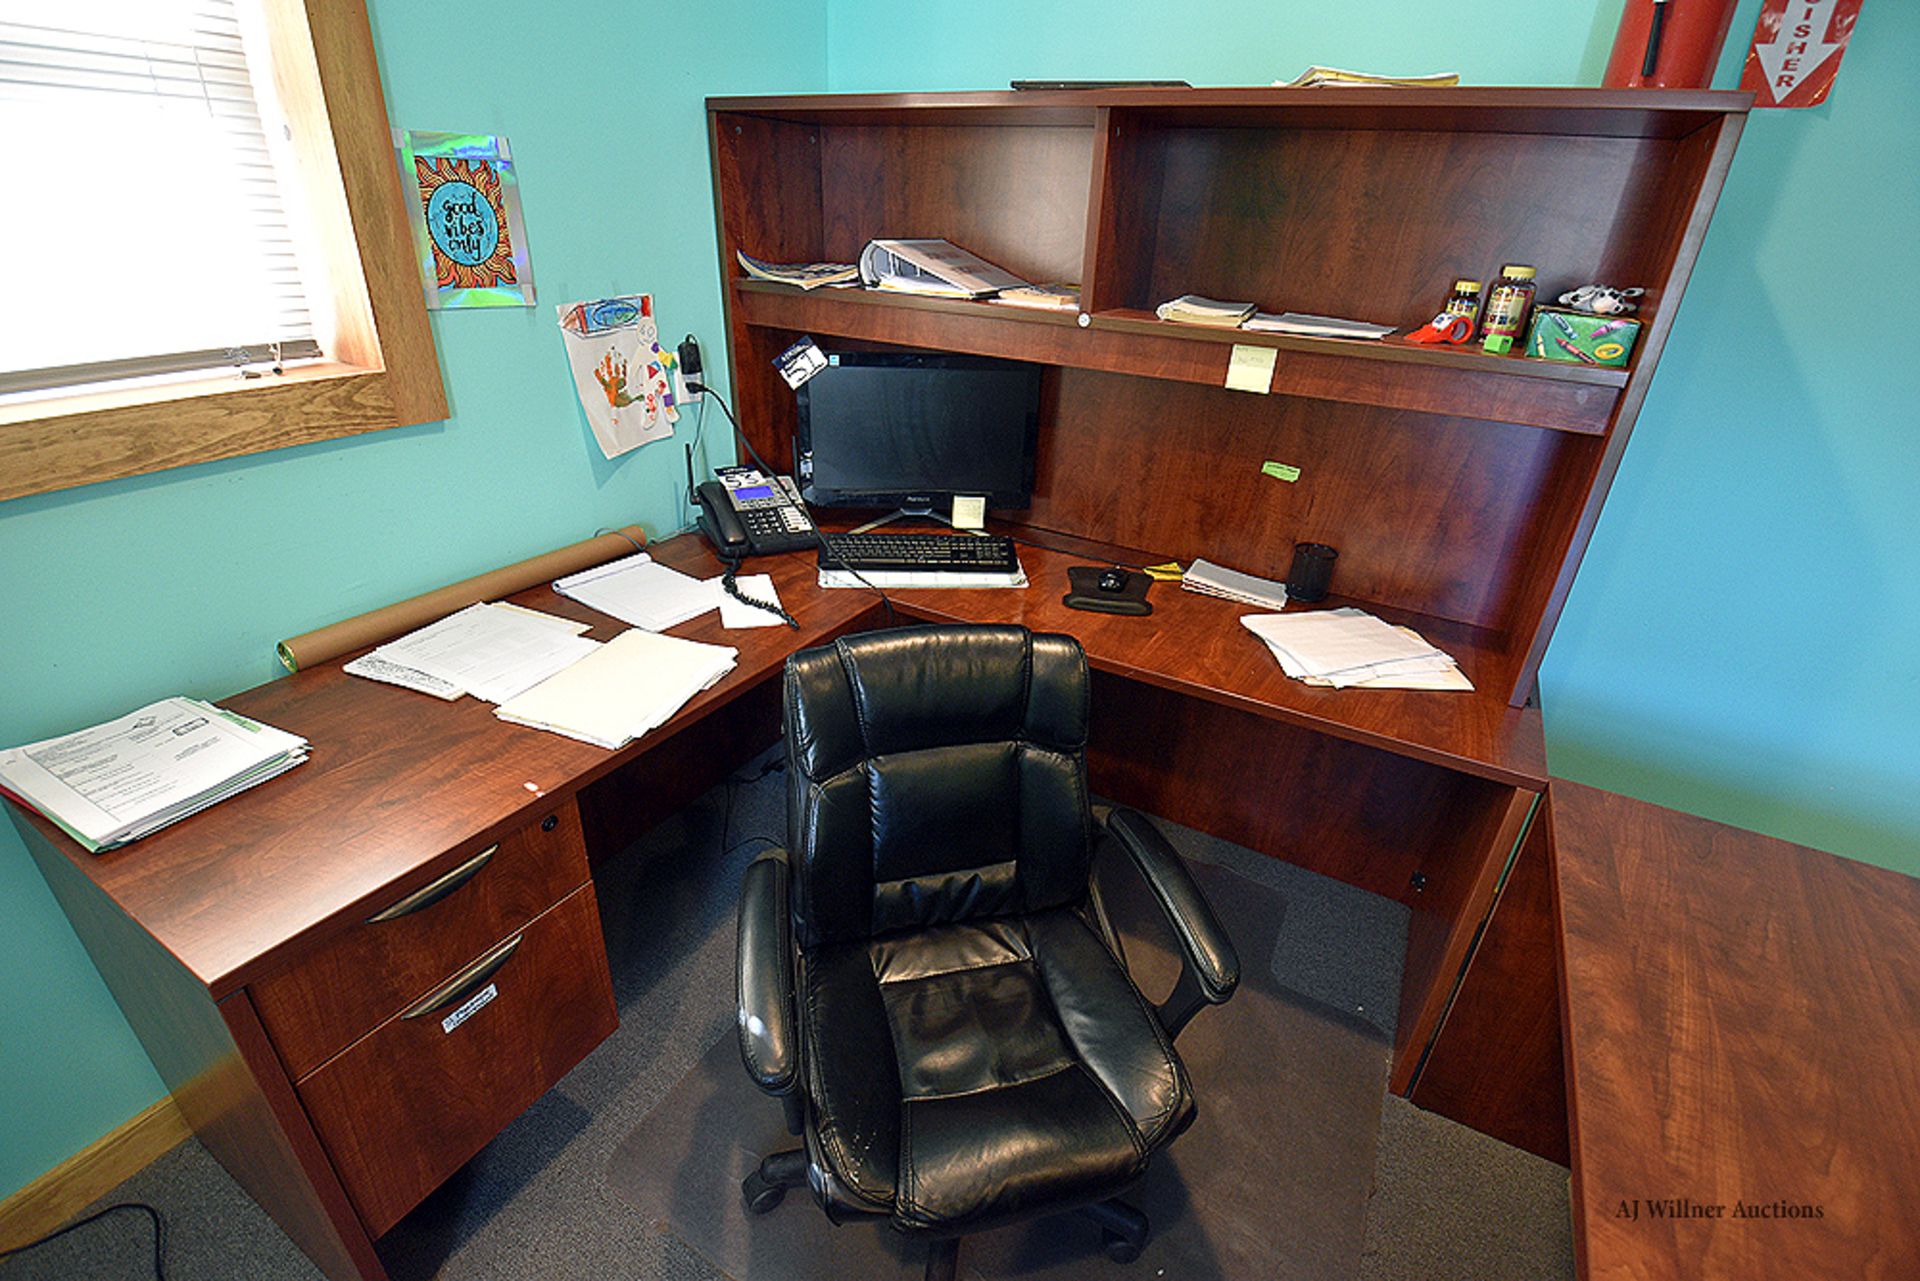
1250, 368
1167, 573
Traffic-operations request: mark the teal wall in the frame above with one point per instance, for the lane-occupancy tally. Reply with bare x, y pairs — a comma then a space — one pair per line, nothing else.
181, 582
1743, 640
1739, 643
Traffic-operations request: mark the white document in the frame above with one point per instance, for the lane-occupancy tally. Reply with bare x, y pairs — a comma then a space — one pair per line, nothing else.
919, 578
116, 782
1293, 322
374, 668
642, 592
734, 613
1210, 579
490, 652
1350, 647
630, 685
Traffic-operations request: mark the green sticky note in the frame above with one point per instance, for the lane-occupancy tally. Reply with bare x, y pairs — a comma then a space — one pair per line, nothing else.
1280, 471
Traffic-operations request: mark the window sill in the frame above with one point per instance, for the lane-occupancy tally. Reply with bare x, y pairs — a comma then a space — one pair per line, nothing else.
58, 443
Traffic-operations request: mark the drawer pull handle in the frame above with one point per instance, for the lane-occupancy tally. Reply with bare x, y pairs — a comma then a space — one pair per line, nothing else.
462, 985
427, 895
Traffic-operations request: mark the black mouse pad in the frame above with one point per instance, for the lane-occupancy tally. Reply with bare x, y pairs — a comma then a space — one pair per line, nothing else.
1084, 591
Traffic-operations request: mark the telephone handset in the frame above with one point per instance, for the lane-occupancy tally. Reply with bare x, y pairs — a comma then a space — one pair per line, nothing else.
743, 513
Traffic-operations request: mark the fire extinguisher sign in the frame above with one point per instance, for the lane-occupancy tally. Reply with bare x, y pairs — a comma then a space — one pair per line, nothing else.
1797, 45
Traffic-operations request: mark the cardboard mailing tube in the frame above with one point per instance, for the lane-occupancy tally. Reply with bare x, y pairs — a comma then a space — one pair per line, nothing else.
312, 648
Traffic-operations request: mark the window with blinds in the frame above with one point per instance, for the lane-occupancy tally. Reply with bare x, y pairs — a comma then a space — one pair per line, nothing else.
143, 222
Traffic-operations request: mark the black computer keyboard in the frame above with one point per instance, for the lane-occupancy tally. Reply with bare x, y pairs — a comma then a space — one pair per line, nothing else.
959, 553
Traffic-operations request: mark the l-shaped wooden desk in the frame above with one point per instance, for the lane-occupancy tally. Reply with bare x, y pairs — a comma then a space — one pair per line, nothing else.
296, 961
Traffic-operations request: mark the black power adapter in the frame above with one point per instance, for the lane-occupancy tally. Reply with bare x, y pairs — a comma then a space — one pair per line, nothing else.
690, 365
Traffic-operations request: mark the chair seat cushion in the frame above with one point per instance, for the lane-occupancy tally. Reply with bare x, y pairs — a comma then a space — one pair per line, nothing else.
968, 1075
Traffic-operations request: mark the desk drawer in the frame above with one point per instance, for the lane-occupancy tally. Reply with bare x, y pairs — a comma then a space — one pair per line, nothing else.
411, 1103
352, 984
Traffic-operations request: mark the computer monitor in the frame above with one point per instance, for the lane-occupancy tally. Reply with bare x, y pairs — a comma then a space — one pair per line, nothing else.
914, 429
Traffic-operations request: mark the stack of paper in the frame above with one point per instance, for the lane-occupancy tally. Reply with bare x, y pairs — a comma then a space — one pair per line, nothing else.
119, 781
490, 651
1041, 297
1313, 76
641, 591
806, 275
1192, 309
633, 683
1210, 579
1340, 648
1294, 322
936, 267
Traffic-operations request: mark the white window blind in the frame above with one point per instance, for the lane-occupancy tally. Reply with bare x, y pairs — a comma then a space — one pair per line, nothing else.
142, 219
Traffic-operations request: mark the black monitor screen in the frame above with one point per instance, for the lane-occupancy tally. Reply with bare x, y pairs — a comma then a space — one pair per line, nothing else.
910, 429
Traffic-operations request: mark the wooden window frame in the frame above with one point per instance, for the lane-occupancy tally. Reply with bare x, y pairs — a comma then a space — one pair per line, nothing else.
382, 369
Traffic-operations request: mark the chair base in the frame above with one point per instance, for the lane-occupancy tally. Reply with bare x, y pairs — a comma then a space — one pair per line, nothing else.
767, 1186
943, 1259
1123, 1227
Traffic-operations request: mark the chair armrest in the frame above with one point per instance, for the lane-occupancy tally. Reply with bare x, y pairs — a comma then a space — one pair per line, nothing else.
1212, 967
764, 976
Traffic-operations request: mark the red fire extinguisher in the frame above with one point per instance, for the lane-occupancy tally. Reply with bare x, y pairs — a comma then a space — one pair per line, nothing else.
1669, 44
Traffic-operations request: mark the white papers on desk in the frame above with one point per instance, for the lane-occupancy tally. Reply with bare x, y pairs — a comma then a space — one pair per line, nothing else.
737, 613
633, 683
1210, 579
641, 591
490, 651
1294, 322
119, 781
1341, 648
898, 579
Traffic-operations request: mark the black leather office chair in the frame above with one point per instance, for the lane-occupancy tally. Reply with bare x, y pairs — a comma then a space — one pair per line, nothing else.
927, 979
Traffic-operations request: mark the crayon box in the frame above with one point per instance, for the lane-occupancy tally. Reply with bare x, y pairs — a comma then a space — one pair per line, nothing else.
1558, 334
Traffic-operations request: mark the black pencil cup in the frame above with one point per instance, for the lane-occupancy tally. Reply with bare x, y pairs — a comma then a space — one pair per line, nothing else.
1312, 572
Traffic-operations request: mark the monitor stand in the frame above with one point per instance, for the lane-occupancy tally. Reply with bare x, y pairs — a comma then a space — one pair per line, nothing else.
916, 513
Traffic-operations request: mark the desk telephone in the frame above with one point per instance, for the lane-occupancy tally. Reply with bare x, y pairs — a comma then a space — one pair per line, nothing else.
742, 513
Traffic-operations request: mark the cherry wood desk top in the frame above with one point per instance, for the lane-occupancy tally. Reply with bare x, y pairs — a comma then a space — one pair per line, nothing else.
400, 788
1742, 1022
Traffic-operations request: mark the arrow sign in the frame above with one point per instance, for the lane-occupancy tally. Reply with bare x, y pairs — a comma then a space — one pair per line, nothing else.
1797, 45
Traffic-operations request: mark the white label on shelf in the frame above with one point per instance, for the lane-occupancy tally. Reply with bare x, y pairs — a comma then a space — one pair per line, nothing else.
470, 1007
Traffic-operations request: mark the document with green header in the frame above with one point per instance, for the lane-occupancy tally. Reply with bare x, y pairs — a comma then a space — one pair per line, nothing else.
119, 781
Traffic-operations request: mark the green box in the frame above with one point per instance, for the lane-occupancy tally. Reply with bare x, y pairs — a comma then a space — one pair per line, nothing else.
1580, 338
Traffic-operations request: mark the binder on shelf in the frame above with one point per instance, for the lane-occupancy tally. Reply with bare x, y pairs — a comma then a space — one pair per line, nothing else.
938, 268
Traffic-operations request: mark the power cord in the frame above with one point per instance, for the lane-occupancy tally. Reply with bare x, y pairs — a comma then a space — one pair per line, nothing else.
159, 1234
774, 766
827, 554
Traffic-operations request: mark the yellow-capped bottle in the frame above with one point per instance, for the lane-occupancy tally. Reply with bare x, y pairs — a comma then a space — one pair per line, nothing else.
1507, 306
1464, 301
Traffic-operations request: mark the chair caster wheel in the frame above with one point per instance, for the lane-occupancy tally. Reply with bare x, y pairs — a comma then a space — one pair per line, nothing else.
760, 1195
1119, 1248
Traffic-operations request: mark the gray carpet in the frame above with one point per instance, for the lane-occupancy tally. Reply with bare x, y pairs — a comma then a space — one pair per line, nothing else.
537, 1204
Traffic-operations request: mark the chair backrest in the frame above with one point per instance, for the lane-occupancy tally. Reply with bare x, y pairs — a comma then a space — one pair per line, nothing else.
936, 774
